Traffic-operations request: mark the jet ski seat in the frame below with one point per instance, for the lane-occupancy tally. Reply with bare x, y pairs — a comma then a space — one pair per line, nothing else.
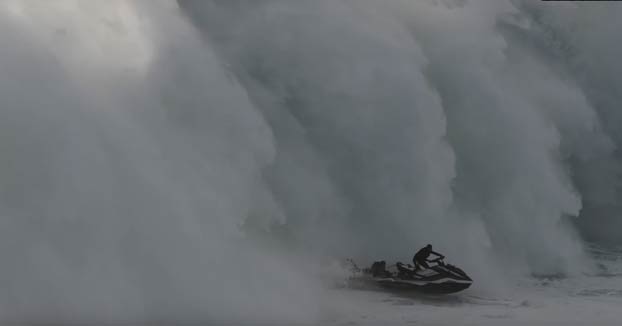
404, 271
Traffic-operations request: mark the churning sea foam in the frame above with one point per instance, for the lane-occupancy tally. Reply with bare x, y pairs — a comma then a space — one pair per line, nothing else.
197, 160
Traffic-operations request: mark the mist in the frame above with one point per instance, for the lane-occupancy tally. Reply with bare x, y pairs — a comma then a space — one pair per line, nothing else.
206, 160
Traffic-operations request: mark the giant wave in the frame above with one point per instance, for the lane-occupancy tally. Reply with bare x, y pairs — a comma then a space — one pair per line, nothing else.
193, 160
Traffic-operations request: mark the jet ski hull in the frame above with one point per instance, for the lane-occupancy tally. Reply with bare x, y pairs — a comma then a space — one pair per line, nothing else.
446, 287
440, 279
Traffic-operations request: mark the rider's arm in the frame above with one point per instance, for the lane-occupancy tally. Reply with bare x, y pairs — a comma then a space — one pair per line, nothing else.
436, 253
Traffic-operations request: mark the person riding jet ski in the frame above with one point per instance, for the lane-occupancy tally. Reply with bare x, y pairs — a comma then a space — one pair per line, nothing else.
421, 257
440, 278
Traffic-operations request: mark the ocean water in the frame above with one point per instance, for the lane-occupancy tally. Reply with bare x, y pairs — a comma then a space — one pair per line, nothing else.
591, 299
208, 161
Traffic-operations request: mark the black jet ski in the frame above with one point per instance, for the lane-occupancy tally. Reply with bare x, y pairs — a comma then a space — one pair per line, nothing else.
438, 279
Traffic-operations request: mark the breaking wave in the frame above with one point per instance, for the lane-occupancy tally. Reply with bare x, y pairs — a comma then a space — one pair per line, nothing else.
196, 160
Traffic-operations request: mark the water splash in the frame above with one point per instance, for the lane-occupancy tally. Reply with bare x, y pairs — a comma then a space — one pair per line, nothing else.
192, 163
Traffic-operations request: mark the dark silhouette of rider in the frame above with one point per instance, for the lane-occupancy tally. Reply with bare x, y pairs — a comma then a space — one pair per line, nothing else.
421, 257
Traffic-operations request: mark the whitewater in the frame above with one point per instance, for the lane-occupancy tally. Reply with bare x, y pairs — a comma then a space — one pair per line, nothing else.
214, 161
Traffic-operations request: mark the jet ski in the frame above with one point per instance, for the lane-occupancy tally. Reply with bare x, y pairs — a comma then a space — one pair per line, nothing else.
438, 279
